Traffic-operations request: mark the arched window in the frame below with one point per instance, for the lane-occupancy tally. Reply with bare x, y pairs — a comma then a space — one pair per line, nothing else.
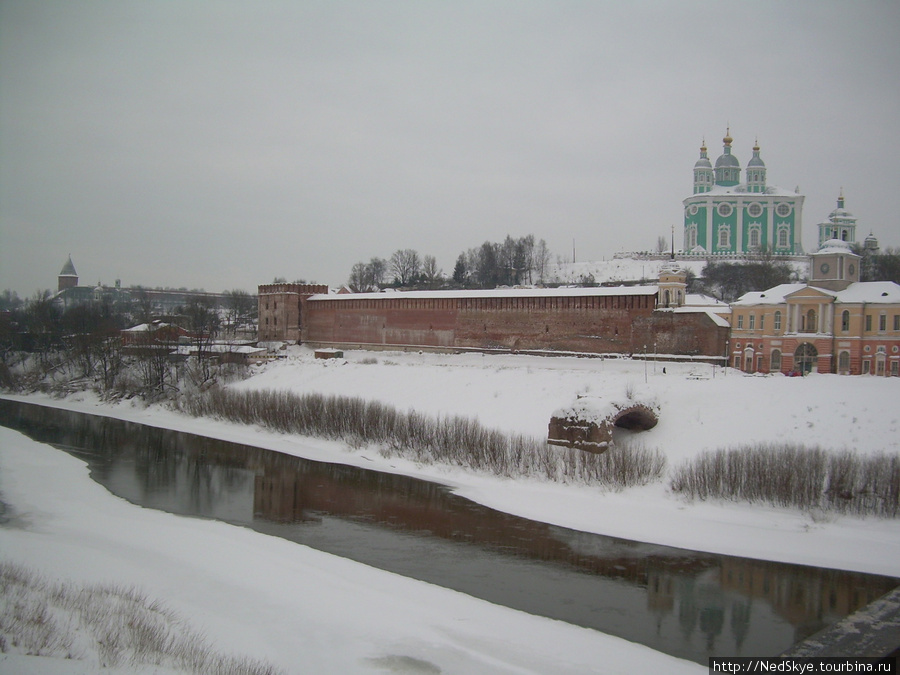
844, 363
778, 319
810, 326
724, 237
845, 323
782, 237
776, 361
753, 239
691, 237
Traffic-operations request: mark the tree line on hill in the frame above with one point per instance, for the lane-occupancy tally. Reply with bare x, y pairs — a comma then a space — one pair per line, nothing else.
511, 262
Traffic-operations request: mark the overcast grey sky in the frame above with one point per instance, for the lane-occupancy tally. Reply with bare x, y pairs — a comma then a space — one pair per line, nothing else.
221, 144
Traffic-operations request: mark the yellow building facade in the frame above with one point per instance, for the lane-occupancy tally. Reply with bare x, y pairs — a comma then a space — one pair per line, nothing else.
832, 324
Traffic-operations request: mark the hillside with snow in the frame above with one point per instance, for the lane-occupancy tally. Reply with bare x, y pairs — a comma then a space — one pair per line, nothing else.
633, 269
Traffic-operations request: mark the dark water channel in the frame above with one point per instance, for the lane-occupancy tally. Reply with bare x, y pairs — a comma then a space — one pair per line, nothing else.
689, 604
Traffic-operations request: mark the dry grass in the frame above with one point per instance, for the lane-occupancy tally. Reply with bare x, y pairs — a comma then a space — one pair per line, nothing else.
108, 625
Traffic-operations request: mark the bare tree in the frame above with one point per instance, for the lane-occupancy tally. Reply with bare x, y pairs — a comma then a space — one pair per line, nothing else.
541, 261
378, 271
151, 349
203, 325
143, 305
239, 308
432, 275
367, 277
405, 266
661, 244
359, 281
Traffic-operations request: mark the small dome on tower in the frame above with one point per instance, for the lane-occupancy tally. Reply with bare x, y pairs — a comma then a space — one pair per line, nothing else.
726, 159
756, 160
703, 162
840, 211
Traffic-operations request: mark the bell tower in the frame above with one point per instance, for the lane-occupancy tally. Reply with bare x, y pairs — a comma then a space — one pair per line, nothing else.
834, 266
672, 285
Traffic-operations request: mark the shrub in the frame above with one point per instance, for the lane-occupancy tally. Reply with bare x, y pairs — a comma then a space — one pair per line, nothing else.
795, 476
447, 439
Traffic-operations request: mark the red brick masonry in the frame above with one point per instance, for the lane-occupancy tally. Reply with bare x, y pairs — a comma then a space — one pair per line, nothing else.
593, 320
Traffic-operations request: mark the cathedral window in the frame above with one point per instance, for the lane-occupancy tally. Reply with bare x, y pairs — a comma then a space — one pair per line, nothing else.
724, 237
782, 237
753, 237
755, 210
783, 210
691, 237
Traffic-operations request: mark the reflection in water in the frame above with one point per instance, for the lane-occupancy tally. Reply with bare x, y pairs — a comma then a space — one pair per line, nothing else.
689, 604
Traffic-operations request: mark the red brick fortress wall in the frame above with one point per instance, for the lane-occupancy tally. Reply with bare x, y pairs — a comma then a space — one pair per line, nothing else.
602, 322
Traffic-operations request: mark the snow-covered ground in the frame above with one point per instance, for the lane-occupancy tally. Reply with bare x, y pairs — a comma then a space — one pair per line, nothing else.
634, 268
615, 270
310, 612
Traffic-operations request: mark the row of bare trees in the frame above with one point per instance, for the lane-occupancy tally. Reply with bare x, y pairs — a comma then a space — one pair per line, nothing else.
507, 263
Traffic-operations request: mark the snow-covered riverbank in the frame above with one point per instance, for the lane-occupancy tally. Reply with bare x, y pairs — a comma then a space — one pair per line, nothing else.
348, 618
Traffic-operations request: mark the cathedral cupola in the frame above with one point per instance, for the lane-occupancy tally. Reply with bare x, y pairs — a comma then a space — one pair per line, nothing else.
756, 172
728, 168
703, 172
841, 224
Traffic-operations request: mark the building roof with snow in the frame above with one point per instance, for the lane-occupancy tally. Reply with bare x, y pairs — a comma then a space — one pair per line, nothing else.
597, 291
869, 292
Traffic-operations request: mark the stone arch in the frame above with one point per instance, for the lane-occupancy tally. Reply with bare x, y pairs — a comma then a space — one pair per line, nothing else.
584, 431
806, 358
636, 418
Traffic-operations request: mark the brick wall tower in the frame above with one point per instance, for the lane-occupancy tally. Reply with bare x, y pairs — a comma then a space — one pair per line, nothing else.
68, 277
281, 310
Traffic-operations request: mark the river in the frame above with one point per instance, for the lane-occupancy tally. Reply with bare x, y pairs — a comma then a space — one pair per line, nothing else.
685, 603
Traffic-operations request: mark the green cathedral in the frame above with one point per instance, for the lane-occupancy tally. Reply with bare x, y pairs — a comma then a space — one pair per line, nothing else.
725, 216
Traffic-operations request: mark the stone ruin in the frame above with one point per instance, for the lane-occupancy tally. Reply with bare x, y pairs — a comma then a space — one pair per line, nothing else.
588, 423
